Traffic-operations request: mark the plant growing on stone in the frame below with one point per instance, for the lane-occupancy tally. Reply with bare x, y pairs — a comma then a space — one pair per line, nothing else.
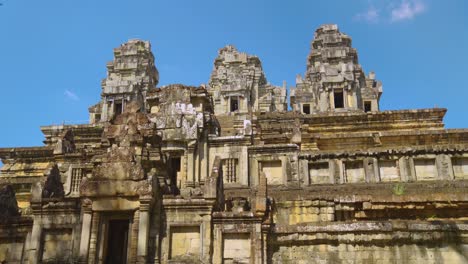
398, 189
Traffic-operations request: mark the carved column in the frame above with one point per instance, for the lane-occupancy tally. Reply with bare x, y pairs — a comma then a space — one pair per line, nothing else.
444, 167
205, 234
35, 241
134, 237
85, 231
143, 231
264, 246
190, 163
205, 158
217, 245
256, 242
94, 237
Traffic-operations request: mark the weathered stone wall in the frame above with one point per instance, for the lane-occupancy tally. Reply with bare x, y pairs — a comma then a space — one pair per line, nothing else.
443, 253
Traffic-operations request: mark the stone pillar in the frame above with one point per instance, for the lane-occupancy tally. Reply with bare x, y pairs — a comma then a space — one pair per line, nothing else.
85, 231
217, 245
444, 167
35, 243
304, 177
331, 99
205, 235
407, 172
134, 237
243, 174
256, 240
369, 168
261, 195
337, 171
143, 231
255, 168
190, 164
205, 158
197, 161
376, 170
346, 103
92, 257
264, 247
105, 111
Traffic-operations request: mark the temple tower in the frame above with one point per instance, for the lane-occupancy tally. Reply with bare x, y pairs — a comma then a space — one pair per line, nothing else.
334, 80
129, 77
238, 85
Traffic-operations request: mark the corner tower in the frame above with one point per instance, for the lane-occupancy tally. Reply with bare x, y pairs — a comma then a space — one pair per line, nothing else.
334, 80
129, 77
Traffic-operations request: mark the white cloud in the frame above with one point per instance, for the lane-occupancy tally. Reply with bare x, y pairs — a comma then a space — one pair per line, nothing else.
71, 95
391, 11
407, 9
371, 15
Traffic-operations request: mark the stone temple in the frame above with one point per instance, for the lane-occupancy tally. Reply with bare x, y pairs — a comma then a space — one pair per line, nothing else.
227, 172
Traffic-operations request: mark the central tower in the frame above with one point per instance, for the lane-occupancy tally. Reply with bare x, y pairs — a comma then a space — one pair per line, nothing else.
334, 80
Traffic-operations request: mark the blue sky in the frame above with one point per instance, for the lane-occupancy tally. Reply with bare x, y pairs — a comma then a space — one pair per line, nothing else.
53, 53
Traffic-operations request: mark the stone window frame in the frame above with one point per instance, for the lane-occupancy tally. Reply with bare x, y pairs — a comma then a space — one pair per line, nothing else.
228, 173
68, 185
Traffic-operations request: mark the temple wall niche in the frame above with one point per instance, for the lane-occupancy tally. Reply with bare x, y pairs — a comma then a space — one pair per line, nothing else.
185, 240
11, 250
370, 169
273, 170
236, 248
388, 170
57, 245
354, 172
238, 156
460, 167
319, 173
425, 169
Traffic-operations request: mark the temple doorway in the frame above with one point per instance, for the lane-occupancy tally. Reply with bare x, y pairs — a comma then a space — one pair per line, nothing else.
117, 241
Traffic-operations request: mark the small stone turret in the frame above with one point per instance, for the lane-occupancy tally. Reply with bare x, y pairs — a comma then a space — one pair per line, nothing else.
129, 76
334, 80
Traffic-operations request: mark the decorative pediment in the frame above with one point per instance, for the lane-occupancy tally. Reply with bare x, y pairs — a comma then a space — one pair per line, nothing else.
53, 187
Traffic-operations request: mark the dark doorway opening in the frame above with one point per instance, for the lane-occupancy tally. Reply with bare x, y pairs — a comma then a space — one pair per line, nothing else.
338, 98
306, 109
117, 242
367, 106
118, 108
174, 169
234, 104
